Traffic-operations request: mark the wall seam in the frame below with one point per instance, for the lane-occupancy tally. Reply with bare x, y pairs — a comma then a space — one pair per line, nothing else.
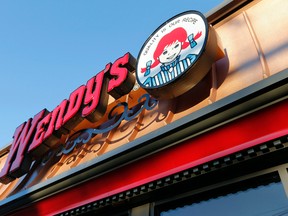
263, 61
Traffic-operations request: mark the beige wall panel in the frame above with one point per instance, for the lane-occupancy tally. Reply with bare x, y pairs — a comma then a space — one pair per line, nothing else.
268, 19
244, 65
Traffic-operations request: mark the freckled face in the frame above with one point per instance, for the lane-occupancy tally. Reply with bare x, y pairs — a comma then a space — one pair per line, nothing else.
170, 52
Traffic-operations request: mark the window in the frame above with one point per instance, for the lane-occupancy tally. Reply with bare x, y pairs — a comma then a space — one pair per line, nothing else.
259, 196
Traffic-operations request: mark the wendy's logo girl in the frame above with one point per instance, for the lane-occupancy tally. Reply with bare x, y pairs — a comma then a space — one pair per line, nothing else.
178, 55
168, 59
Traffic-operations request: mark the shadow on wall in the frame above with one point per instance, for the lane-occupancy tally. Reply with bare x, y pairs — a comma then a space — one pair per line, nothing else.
204, 89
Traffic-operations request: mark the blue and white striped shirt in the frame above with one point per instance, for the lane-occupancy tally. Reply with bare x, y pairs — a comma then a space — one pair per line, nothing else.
170, 72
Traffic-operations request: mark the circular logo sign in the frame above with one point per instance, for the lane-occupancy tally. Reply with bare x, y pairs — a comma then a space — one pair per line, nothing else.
170, 52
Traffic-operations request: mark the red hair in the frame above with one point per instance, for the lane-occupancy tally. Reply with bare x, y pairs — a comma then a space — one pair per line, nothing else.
177, 34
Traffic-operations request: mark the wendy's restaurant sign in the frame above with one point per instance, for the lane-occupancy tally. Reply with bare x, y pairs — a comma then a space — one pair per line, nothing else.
35, 137
178, 55
171, 62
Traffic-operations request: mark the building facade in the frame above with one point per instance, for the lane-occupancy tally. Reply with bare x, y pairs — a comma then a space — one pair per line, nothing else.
219, 148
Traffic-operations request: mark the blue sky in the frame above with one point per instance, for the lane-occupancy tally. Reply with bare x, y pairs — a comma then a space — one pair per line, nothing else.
49, 48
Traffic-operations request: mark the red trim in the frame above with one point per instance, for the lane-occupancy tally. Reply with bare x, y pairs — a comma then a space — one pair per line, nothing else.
256, 128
